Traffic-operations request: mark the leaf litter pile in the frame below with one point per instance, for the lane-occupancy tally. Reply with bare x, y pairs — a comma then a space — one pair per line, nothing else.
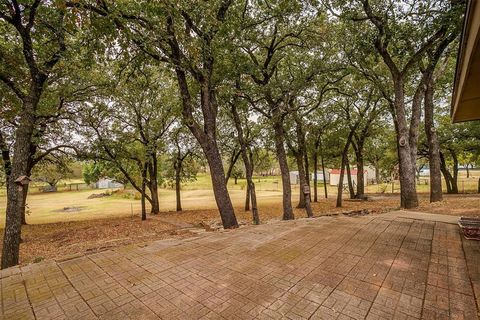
67, 239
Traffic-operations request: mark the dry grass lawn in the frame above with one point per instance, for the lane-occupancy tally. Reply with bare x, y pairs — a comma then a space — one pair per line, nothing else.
61, 239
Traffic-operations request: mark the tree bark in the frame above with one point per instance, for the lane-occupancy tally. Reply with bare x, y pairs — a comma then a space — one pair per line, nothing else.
360, 173
206, 137
282, 161
153, 174
436, 193
23, 211
455, 171
446, 174
323, 170
302, 182
205, 132
233, 161
408, 187
344, 164
340, 183
351, 189
178, 170
247, 158
247, 197
144, 191
308, 207
307, 170
315, 169
15, 194
300, 157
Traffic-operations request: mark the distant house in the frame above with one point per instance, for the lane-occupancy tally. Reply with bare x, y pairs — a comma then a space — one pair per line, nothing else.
320, 176
335, 176
107, 183
294, 177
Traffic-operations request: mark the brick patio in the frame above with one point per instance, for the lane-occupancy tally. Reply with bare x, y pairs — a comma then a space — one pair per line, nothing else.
391, 266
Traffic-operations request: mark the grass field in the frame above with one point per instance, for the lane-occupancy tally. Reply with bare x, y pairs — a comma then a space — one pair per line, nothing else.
198, 195
106, 222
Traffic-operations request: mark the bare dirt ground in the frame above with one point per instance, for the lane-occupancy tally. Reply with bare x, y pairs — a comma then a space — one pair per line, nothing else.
58, 240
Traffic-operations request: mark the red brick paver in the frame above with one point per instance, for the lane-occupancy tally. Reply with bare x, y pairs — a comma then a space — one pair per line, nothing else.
373, 267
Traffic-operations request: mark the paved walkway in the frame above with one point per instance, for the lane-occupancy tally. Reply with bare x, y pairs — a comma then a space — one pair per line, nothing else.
374, 267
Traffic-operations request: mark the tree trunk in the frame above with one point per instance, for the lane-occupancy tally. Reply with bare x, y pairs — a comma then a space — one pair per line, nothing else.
282, 161
307, 170
153, 174
315, 169
233, 161
222, 197
144, 190
255, 216
15, 194
308, 207
408, 188
206, 137
251, 184
433, 146
455, 171
340, 183
23, 210
351, 190
468, 171
360, 173
302, 182
446, 174
178, 170
247, 158
344, 164
300, 156
247, 197
323, 172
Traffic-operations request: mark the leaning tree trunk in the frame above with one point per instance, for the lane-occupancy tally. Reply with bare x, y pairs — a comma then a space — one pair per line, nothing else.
340, 183
351, 190
15, 194
446, 174
206, 137
282, 161
433, 146
222, 197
